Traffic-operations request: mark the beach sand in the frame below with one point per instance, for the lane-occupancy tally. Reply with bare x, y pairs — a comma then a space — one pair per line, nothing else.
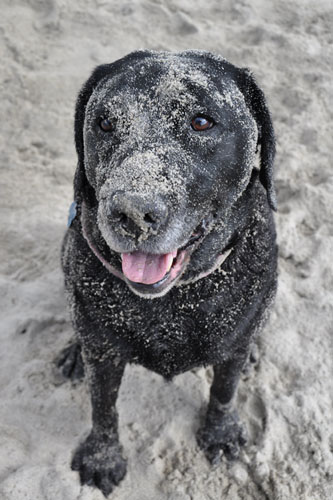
48, 49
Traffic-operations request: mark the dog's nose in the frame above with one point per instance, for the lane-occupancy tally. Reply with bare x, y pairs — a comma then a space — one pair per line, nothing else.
135, 214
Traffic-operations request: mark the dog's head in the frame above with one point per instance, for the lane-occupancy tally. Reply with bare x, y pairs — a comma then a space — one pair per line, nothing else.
166, 144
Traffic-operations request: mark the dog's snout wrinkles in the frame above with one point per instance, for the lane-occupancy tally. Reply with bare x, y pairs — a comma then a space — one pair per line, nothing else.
135, 214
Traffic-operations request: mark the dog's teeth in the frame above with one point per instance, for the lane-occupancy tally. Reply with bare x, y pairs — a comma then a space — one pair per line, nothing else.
170, 261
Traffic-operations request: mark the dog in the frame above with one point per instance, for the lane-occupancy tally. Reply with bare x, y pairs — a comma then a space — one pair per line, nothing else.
170, 258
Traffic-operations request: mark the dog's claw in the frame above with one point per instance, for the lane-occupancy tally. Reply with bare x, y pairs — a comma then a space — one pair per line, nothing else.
222, 437
100, 463
70, 362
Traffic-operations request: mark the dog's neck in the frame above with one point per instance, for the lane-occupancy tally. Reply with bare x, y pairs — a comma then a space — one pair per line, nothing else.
93, 247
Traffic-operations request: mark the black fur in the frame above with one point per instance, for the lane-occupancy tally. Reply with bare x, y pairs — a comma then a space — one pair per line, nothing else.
206, 321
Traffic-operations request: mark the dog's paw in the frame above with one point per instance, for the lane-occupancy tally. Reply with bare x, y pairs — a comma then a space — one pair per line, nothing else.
70, 362
222, 436
99, 462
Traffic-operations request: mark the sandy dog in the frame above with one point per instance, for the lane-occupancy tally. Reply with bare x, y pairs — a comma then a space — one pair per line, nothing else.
170, 257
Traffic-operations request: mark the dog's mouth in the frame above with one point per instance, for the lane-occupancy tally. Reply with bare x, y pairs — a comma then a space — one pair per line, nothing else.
154, 273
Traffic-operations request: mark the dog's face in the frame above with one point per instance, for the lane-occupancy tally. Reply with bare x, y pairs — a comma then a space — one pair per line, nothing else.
169, 145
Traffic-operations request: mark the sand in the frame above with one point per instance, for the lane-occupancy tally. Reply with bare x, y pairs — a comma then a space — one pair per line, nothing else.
48, 49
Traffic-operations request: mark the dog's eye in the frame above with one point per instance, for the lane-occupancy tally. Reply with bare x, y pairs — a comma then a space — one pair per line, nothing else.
201, 122
105, 125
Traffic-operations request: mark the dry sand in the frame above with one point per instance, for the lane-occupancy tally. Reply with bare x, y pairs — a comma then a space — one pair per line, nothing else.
47, 50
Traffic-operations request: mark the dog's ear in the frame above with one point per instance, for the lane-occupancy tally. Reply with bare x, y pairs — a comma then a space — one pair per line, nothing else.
255, 99
82, 188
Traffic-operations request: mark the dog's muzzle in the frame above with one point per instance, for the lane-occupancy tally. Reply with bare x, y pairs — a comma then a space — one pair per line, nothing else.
152, 274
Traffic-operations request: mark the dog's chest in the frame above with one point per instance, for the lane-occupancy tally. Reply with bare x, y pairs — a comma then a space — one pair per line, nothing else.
189, 327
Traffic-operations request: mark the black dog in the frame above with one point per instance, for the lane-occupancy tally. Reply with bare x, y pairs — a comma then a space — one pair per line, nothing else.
170, 207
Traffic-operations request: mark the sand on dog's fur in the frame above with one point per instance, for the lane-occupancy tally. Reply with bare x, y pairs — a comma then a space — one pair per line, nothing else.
48, 50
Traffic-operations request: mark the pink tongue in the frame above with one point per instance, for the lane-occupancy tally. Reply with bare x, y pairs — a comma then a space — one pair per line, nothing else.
146, 268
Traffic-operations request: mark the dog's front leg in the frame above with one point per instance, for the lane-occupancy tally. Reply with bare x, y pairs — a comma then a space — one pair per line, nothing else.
222, 432
99, 458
